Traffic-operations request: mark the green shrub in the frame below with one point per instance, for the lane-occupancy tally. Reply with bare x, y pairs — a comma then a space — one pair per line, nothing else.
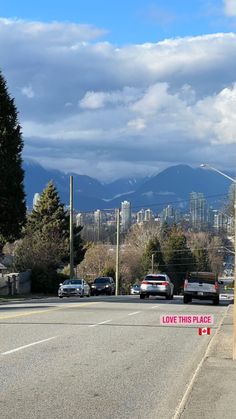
45, 281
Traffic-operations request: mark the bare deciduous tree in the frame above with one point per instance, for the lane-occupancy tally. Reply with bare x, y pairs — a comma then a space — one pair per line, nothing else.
96, 259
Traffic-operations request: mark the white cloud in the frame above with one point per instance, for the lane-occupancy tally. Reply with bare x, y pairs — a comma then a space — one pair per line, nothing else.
230, 7
107, 111
137, 124
56, 33
28, 92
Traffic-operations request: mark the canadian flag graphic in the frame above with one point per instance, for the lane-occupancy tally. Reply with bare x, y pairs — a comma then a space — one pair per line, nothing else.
204, 331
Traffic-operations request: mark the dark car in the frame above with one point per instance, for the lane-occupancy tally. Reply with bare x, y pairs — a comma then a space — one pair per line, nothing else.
103, 285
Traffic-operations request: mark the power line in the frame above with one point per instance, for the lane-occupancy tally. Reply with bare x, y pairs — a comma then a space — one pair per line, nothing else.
160, 204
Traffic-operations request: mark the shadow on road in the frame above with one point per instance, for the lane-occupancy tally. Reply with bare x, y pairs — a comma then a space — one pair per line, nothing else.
50, 302
14, 308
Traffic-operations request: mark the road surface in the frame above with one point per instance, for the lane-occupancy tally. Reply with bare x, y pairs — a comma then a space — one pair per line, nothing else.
102, 357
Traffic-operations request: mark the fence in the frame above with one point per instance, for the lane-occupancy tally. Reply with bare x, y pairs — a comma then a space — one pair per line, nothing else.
15, 283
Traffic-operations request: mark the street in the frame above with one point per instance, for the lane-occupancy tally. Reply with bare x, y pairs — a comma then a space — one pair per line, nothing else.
103, 357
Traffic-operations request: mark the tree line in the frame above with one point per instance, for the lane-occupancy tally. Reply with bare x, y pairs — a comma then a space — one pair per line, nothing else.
155, 248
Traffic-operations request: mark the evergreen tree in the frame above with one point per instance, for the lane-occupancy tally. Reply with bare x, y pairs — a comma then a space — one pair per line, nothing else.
178, 257
45, 245
165, 231
12, 197
153, 248
49, 220
48, 215
202, 260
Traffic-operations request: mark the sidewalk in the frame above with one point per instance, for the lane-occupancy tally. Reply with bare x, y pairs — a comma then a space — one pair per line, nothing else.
213, 392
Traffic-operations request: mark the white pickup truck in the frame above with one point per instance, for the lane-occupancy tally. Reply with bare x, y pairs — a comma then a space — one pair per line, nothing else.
202, 286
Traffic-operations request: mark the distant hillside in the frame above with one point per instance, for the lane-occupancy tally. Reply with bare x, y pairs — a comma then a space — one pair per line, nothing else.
172, 185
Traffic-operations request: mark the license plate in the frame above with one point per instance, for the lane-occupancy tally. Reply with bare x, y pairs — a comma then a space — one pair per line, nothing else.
200, 293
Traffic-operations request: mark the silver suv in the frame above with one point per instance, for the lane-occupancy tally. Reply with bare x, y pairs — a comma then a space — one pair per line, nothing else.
157, 284
202, 286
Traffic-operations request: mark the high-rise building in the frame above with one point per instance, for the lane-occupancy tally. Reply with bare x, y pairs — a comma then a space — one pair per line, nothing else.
36, 199
198, 211
223, 222
140, 216
98, 217
97, 224
125, 215
80, 219
148, 215
168, 215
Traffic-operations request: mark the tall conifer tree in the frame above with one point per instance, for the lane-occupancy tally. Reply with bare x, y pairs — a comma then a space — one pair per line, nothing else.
12, 197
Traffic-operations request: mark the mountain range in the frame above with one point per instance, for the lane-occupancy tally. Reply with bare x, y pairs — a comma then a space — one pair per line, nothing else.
171, 186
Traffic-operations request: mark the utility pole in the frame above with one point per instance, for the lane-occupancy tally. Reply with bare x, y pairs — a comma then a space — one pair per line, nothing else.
153, 254
71, 230
234, 315
117, 249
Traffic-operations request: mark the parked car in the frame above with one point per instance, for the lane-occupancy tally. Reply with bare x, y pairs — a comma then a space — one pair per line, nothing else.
202, 286
157, 284
103, 285
74, 288
135, 289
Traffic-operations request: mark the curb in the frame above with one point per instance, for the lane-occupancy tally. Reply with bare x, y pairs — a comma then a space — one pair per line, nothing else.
16, 300
180, 408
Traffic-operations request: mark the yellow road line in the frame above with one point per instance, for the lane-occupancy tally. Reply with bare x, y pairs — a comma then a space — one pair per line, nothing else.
30, 313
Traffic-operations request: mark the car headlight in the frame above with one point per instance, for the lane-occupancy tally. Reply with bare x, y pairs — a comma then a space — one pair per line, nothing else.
77, 289
93, 286
107, 286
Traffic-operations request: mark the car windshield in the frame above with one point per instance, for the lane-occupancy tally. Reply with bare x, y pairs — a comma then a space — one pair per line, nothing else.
136, 286
155, 278
201, 280
102, 281
72, 282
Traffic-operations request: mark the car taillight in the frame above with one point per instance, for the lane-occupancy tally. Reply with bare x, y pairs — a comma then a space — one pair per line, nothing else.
145, 283
185, 283
216, 286
165, 283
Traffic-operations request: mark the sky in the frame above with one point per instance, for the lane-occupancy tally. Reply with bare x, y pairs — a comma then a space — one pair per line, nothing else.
121, 88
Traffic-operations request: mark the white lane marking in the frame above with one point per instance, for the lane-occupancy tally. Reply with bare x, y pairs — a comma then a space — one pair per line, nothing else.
97, 324
54, 308
154, 306
27, 346
135, 312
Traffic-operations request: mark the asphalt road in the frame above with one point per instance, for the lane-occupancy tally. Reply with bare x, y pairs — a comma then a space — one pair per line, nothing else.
103, 357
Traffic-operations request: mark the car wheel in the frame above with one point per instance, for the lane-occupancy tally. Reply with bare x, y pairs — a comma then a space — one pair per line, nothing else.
60, 296
216, 301
172, 296
168, 296
142, 296
186, 299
